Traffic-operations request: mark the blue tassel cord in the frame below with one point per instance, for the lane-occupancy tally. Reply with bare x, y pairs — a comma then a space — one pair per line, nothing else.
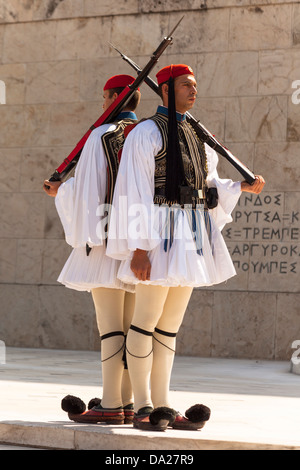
194, 220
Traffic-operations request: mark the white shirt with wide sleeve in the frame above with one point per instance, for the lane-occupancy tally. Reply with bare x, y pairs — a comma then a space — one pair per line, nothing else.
138, 223
79, 203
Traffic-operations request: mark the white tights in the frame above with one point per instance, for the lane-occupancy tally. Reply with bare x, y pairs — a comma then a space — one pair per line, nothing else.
159, 312
114, 310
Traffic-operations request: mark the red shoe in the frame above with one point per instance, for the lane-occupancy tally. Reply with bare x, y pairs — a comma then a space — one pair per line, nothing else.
185, 424
76, 410
196, 417
128, 409
153, 420
99, 415
141, 418
128, 413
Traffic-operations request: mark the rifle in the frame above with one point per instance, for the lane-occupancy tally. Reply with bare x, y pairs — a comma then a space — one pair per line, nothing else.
200, 130
112, 112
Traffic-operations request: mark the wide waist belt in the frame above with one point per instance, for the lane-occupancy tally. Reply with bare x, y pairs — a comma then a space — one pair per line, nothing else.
188, 195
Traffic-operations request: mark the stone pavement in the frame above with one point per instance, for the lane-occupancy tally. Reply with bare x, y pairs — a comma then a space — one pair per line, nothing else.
255, 404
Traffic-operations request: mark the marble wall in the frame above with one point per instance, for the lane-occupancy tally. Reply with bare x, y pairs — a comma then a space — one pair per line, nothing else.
55, 58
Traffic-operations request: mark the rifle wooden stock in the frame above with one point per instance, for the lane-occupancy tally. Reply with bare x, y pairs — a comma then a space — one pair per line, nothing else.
112, 112
200, 130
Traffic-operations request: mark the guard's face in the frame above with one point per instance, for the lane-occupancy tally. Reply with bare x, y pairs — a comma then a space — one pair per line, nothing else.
185, 92
107, 100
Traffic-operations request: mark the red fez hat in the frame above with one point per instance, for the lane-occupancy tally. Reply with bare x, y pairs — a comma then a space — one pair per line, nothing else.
173, 71
118, 81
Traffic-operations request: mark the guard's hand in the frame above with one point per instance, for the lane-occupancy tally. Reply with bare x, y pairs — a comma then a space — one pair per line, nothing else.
256, 187
51, 187
140, 265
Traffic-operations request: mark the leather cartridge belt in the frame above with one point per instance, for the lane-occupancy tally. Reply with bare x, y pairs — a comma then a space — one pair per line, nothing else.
188, 195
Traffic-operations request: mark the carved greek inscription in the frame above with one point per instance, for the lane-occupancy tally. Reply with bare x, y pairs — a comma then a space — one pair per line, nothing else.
264, 236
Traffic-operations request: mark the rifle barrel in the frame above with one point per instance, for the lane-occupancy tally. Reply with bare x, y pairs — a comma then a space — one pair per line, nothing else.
111, 113
201, 131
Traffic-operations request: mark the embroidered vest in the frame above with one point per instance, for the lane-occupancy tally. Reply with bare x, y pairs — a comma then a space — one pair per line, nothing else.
113, 142
195, 168
193, 157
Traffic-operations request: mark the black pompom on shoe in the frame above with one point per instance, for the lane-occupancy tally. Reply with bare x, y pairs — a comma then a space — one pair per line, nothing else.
162, 414
94, 402
73, 405
194, 419
198, 413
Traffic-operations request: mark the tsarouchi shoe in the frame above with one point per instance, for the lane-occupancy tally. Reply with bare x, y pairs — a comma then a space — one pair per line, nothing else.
128, 413
194, 419
153, 420
128, 409
75, 408
98, 414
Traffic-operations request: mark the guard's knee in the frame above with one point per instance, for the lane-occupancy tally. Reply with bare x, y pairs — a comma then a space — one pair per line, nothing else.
142, 332
122, 348
167, 334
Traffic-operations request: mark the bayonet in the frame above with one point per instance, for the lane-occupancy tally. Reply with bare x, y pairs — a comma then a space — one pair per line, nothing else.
69, 163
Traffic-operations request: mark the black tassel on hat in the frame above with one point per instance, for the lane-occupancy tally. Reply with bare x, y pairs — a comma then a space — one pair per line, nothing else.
175, 171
